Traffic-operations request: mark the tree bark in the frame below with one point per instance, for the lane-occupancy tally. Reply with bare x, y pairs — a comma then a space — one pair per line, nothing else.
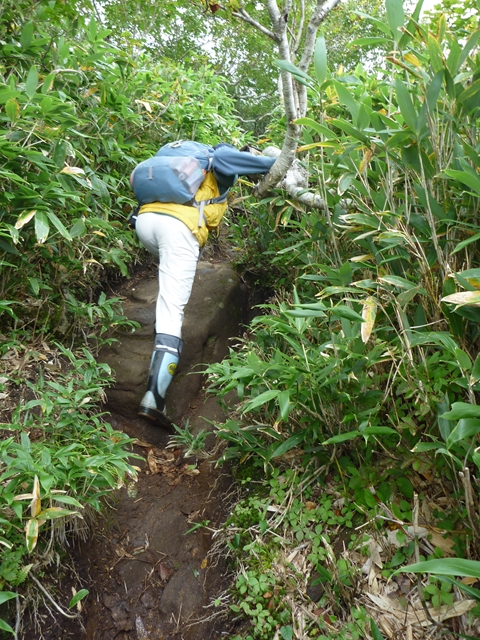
294, 93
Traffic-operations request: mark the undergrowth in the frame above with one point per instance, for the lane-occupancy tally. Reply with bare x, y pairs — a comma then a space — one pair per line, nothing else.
364, 377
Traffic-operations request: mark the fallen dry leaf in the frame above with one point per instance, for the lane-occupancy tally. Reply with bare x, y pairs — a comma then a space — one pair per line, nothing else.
164, 572
417, 616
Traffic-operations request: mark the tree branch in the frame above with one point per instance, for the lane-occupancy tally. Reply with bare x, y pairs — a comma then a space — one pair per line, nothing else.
243, 15
295, 181
321, 11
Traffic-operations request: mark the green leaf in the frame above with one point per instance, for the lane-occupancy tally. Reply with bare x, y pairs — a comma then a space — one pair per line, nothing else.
304, 313
444, 426
12, 109
52, 513
291, 68
77, 597
472, 276
433, 90
376, 635
463, 359
346, 98
4, 626
468, 179
397, 281
350, 130
445, 567
67, 500
286, 632
471, 591
316, 126
263, 398
26, 36
462, 410
465, 243
406, 105
60, 153
369, 431
411, 26
370, 41
405, 487
406, 296
395, 17
471, 43
31, 82
48, 82
379, 23
290, 443
475, 375
436, 54
59, 225
465, 429
78, 229
471, 91
5, 596
284, 404
320, 60
342, 311
41, 226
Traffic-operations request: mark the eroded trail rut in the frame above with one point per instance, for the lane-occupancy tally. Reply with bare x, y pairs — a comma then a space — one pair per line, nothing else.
149, 577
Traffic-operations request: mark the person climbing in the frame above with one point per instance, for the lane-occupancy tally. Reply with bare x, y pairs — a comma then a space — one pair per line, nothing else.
176, 231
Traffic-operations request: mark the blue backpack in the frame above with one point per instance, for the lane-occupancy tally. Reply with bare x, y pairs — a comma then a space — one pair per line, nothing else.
174, 174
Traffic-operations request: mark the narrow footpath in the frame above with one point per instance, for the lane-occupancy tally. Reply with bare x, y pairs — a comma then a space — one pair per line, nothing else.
150, 566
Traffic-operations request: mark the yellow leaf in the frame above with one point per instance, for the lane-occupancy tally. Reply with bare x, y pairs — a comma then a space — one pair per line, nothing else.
366, 257
367, 156
409, 57
36, 503
24, 217
90, 91
204, 563
73, 171
461, 298
369, 312
474, 281
31, 534
24, 496
145, 104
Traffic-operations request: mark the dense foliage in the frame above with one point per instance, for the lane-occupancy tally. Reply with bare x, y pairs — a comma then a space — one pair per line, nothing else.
374, 339
362, 373
77, 111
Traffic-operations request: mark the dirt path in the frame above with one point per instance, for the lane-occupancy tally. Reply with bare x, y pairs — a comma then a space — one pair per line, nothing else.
148, 562
148, 577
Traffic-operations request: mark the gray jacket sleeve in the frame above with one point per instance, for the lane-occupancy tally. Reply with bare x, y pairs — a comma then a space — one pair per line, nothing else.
228, 163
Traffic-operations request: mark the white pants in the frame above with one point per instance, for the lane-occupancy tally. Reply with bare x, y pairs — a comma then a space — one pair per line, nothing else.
177, 250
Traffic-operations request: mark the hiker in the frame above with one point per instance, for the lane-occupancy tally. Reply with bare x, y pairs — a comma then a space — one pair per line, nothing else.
175, 233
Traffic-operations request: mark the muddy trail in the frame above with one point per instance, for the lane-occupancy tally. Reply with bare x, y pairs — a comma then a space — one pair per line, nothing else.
149, 562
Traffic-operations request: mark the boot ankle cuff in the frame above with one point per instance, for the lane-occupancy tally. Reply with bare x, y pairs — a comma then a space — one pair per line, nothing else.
168, 342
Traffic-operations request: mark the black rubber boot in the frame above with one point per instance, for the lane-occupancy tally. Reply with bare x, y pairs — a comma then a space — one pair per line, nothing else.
165, 357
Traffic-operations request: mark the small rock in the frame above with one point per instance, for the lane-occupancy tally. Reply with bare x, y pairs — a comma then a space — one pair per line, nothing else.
148, 601
142, 633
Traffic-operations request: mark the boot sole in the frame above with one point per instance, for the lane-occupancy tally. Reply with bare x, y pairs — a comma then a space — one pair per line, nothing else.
155, 416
